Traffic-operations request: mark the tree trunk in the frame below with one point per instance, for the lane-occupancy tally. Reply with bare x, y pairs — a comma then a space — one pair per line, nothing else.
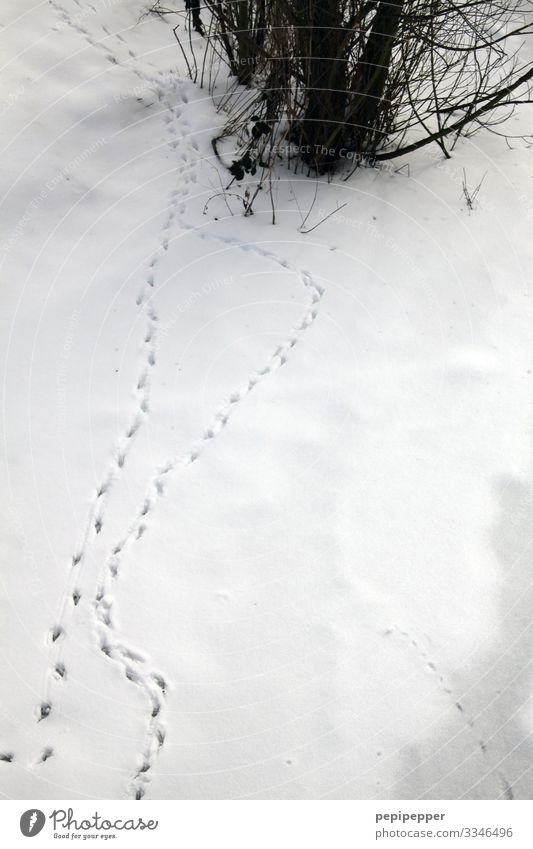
372, 74
245, 40
321, 45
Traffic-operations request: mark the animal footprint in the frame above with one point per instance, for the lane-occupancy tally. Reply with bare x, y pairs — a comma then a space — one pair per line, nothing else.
47, 753
104, 613
131, 655
102, 489
56, 633
45, 709
134, 427
131, 675
160, 682
60, 671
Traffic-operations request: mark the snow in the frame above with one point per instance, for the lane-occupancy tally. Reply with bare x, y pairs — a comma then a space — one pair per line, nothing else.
270, 492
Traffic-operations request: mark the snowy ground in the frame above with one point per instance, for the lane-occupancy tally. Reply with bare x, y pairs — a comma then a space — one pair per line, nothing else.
267, 496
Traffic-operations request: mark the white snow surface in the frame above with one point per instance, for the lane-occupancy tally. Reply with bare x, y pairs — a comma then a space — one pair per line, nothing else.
267, 496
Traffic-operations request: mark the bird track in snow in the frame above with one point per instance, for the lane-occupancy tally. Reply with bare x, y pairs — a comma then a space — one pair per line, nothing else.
57, 671
433, 668
140, 675
469, 721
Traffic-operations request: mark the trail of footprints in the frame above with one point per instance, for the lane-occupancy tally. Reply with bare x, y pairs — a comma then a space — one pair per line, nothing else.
96, 515
507, 790
133, 664
429, 664
74, 24
97, 509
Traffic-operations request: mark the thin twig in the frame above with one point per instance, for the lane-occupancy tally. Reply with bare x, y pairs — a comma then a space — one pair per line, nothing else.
324, 219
